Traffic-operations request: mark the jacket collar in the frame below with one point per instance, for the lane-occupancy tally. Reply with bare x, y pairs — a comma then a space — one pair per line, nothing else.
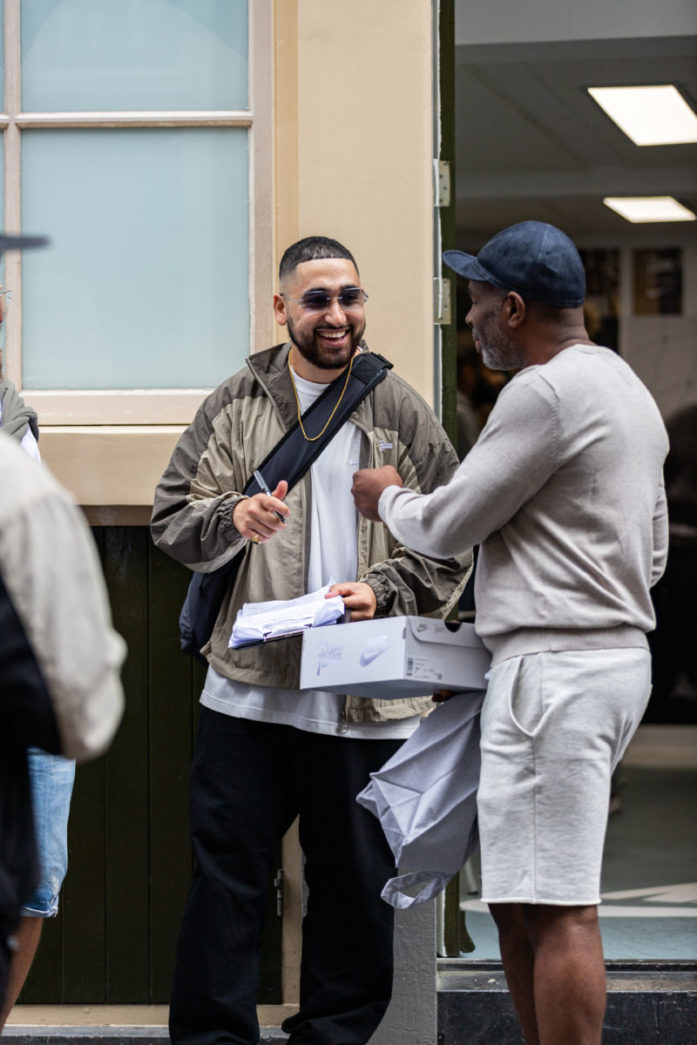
270, 368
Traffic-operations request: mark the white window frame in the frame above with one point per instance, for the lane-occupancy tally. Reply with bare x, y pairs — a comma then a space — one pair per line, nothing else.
159, 405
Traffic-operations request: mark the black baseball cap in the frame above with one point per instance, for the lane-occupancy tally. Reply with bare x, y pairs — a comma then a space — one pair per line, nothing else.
537, 260
22, 242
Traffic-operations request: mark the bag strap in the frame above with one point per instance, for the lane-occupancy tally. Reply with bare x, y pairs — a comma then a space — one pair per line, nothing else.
293, 455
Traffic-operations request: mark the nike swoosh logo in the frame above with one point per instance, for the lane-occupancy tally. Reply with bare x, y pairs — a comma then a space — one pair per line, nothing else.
372, 651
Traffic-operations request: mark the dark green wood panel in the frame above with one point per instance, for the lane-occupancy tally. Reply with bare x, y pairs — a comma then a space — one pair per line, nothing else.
172, 710
83, 904
127, 912
129, 849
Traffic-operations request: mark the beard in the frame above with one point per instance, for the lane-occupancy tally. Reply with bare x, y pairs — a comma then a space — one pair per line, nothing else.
321, 355
500, 353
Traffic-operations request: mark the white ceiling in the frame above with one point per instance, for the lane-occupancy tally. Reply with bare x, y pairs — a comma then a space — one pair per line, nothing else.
532, 144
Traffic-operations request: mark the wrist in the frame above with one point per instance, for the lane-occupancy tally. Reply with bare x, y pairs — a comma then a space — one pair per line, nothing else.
385, 498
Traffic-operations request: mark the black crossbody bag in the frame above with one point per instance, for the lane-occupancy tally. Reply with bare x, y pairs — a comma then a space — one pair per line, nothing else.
289, 459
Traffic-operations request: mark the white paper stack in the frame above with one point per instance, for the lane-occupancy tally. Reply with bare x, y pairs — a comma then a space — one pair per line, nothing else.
261, 621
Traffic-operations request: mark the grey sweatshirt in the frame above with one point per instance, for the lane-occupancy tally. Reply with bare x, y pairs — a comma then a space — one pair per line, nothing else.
564, 493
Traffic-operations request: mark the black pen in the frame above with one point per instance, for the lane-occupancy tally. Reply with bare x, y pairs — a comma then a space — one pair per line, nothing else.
261, 481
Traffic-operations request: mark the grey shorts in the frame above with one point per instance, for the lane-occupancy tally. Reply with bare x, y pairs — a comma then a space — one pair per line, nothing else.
554, 726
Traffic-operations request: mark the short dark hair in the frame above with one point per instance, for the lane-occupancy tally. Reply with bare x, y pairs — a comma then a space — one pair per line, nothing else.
310, 249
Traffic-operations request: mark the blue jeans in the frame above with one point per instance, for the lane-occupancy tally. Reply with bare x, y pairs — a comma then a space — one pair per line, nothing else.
51, 778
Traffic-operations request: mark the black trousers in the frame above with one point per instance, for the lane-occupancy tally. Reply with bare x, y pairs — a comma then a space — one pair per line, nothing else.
249, 781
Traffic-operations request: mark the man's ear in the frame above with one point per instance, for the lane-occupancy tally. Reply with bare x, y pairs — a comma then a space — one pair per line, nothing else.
514, 308
279, 310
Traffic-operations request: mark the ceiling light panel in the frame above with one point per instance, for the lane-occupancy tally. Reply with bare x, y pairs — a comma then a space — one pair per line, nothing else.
640, 209
657, 115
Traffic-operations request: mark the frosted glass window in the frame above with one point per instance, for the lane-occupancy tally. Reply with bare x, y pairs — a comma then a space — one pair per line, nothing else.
2, 56
146, 284
133, 54
2, 256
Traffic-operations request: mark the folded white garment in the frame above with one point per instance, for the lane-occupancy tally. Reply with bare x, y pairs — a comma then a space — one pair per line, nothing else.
425, 798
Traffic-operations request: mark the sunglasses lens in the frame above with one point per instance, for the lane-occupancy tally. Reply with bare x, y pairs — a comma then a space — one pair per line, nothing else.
351, 298
317, 301
320, 300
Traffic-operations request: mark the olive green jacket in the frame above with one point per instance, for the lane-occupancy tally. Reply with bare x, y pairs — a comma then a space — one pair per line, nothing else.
234, 430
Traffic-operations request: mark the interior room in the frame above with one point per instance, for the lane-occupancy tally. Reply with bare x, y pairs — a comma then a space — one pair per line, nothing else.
533, 143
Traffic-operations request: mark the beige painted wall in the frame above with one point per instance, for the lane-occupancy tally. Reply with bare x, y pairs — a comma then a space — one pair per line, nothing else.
352, 159
361, 142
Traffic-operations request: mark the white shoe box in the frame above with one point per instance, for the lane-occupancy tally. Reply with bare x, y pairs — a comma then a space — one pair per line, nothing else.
393, 657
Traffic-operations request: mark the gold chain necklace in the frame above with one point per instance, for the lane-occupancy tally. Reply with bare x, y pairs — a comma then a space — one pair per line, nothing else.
314, 438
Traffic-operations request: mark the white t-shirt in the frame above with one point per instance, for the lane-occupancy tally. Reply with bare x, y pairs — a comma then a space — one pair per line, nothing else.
333, 557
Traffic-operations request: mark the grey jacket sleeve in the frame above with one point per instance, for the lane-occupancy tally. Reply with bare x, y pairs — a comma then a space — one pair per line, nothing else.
52, 574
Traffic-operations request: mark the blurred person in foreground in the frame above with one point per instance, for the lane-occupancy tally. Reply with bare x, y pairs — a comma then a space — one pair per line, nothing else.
59, 657
564, 493
51, 777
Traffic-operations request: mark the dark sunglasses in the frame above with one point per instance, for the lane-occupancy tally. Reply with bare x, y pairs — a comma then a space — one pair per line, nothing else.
321, 300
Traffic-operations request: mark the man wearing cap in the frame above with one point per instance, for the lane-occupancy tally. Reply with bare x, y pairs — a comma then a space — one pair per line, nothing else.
563, 491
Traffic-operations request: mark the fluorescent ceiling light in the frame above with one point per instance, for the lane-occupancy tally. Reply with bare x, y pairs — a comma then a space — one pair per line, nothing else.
649, 208
649, 115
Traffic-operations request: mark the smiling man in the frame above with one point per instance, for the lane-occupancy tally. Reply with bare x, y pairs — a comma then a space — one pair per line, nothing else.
326, 331
266, 752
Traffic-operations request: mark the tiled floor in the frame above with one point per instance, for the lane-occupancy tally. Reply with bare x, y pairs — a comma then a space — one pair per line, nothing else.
649, 885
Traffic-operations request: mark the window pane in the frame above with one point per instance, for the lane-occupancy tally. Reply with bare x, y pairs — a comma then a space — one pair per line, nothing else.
2, 55
147, 282
133, 54
2, 256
